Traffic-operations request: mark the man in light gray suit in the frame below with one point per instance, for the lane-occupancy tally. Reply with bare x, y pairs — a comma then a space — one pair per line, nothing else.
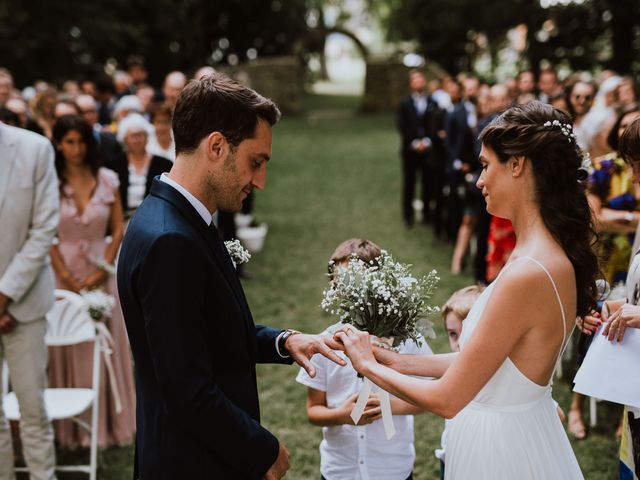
28, 221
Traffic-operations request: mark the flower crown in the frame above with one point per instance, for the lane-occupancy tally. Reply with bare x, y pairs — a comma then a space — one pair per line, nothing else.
565, 128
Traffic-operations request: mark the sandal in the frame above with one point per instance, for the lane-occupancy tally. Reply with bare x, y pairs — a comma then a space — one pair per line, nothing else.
576, 425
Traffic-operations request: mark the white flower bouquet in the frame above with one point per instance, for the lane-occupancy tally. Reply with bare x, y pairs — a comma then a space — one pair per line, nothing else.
99, 303
382, 298
237, 252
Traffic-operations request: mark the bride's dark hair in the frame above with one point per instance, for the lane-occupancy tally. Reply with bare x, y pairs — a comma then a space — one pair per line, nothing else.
529, 130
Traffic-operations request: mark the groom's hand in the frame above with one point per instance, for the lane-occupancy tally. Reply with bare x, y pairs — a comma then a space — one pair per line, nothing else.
280, 467
302, 347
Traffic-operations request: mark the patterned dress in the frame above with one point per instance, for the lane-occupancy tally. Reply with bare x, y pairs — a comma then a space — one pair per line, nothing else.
610, 181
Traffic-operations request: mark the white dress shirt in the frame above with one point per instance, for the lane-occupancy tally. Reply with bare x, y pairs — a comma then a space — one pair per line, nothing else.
197, 204
420, 102
351, 452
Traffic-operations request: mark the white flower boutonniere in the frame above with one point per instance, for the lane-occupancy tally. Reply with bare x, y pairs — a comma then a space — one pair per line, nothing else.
237, 252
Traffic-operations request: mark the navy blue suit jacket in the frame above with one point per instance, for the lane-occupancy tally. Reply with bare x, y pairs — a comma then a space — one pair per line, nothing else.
412, 126
195, 348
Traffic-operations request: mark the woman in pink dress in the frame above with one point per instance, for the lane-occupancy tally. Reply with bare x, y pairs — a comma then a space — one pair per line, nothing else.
83, 259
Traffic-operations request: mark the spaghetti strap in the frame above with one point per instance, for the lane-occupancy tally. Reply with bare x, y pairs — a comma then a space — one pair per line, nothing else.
555, 289
564, 343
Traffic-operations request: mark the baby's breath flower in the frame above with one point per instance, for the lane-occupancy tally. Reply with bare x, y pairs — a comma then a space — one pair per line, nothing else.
383, 298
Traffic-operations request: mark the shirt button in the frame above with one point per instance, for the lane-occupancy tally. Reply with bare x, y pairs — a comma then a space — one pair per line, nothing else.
361, 462
361, 436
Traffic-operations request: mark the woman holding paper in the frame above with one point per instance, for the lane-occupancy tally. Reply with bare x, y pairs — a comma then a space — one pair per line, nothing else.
498, 386
625, 315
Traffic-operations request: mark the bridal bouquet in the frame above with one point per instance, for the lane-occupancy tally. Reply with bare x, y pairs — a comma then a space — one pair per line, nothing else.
383, 298
237, 252
99, 303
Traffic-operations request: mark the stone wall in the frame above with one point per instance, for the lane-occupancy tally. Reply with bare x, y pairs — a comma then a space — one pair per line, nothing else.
278, 78
386, 82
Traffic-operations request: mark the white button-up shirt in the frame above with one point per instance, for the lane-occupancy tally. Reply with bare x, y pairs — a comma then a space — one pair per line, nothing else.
351, 452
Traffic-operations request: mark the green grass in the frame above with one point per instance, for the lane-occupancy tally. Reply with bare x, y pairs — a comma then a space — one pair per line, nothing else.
336, 175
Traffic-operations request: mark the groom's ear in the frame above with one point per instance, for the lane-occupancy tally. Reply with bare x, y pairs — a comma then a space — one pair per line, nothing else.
217, 147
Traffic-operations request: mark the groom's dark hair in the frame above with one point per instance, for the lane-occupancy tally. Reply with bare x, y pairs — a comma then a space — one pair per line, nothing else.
217, 103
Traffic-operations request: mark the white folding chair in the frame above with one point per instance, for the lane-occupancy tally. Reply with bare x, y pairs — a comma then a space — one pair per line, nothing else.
68, 324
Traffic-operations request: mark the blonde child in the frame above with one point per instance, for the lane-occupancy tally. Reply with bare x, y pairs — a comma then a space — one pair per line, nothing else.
348, 451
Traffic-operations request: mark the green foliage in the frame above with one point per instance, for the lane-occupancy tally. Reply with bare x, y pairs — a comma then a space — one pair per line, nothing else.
62, 39
587, 35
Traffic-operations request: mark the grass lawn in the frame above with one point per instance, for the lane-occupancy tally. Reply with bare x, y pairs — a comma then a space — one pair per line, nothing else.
336, 175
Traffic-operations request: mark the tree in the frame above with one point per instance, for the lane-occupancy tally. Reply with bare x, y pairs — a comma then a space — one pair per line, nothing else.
587, 35
57, 40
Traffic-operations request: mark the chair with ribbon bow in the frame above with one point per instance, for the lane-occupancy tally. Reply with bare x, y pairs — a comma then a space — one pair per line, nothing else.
69, 323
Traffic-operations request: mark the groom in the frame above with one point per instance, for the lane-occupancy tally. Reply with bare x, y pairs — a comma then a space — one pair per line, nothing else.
191, 331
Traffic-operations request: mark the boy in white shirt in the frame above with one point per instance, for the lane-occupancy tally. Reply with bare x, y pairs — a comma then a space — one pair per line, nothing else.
358, 452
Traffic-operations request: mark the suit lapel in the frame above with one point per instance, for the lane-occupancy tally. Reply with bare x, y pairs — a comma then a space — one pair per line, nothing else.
7, 161
210, 235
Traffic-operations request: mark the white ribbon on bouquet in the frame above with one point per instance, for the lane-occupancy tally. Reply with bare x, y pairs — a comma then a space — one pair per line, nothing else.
385, 406
385, 401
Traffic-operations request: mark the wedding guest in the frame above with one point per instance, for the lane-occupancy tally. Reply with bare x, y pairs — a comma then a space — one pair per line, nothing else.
625, 314
6, 86
526, 84
627, 92
419, 121
173, 84
454, 312
145, 94
42, 106
28, 219
122, 84
598, 121
501, 243
613, 197
137, 71
64, 107
458, 125
123, 107
160, 140
548, 85
83, 259
362, 450
139, 167
580, 95
108, 148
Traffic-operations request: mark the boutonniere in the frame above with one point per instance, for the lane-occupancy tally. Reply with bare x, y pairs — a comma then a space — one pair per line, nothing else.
237, 252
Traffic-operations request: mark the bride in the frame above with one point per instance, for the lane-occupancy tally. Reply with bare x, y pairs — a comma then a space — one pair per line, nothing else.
498, 387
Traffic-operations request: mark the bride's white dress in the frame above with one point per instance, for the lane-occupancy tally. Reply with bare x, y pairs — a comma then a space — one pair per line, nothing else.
511, 429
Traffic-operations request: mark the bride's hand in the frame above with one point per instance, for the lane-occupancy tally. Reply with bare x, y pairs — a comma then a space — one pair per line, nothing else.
357, 346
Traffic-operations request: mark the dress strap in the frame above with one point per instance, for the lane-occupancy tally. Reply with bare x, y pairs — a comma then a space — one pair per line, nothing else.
564, 343
555, 289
